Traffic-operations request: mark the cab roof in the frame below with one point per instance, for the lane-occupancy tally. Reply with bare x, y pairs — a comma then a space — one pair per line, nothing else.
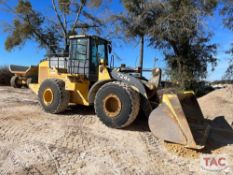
87, 36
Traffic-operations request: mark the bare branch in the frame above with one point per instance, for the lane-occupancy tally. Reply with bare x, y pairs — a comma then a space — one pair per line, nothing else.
86, 26
59, 18
38, 35
78, 15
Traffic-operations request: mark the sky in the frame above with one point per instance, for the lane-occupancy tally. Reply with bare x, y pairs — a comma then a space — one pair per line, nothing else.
31, 54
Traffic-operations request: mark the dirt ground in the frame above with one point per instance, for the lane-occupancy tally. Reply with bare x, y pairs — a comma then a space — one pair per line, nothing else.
34, 142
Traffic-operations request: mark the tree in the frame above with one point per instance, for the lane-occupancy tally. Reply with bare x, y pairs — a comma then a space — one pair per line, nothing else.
229, 72
131, 22
227, 11
69, 17
177, 28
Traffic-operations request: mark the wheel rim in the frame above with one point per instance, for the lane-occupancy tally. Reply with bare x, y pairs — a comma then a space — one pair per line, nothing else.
112, 105
48, 96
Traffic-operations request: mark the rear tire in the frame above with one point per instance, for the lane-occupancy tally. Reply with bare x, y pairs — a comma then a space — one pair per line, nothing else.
53, 97
14, 82
117, 105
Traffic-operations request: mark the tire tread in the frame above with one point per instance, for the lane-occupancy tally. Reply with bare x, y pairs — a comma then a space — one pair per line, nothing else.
134, 98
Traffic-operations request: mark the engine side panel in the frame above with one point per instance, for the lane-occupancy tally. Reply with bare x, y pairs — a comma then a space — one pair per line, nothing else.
76, 84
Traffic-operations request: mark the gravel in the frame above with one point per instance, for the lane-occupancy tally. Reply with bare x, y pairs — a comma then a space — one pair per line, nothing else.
34, 142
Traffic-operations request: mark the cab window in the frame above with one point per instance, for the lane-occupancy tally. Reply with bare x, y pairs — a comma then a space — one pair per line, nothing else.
99, 51
79, 49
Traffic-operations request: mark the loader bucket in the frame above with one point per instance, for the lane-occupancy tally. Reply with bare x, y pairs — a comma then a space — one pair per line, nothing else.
179, 119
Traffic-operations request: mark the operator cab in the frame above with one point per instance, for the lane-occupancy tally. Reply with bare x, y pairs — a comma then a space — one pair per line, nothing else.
85, 53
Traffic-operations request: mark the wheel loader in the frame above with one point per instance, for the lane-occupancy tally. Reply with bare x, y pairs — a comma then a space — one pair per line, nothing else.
86, 76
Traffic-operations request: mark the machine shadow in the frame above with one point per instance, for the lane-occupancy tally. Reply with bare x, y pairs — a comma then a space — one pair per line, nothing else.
140, 124
79, 110
221, 135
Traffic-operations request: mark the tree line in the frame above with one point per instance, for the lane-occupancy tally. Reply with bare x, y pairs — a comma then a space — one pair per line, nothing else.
177, 27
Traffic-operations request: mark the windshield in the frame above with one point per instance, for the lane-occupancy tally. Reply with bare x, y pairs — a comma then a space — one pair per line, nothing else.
79, 49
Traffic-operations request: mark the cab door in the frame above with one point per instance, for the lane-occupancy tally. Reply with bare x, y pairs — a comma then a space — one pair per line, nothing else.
98, 52
78, 62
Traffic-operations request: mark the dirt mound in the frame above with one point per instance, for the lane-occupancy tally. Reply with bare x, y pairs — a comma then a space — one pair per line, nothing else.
218, 107
218, 103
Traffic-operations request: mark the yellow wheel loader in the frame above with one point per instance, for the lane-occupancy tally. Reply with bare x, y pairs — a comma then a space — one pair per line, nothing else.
86, 77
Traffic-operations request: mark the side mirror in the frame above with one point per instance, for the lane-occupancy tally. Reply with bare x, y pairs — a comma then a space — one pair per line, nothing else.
110, 48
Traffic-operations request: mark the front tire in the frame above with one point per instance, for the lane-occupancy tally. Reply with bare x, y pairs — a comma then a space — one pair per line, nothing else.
53, 97
117, 104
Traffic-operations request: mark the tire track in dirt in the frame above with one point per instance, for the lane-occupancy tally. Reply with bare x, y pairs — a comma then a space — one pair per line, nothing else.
34, 142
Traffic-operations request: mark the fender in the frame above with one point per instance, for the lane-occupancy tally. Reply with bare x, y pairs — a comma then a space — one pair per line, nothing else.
136, 85
94, 89
130, 80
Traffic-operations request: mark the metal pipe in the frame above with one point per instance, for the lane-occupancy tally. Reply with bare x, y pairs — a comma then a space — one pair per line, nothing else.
141, 54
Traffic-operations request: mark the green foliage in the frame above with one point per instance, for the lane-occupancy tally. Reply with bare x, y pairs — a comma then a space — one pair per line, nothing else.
191, 61
95, 3
28, 24
226, 81
229, 72
132, 22
227, 11
64, 6
177, 29
24, 7
50, 32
